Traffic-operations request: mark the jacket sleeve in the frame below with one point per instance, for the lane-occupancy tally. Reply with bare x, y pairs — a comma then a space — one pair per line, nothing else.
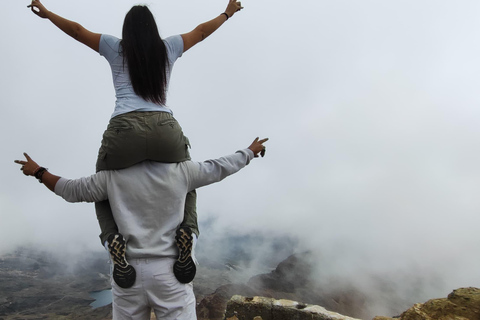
200, 174
87, 189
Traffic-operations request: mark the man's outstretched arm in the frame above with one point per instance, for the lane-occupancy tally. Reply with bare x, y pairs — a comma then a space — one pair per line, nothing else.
94, 188
88, 189
211, 171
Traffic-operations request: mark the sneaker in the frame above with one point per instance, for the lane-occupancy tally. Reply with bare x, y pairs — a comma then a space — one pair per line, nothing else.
123, 273
184, 268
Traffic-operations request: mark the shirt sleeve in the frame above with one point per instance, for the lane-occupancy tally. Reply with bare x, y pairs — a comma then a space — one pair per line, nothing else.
87, 189
109, 47
174, 46
200, 174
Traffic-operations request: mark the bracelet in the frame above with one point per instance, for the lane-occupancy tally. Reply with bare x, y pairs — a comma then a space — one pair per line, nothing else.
39, 173
226, 15
36, 170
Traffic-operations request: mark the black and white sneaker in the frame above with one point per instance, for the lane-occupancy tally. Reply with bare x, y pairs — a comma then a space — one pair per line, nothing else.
184, 268
123, 273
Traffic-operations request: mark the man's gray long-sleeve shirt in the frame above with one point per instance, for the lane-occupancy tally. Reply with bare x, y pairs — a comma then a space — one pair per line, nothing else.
148, 199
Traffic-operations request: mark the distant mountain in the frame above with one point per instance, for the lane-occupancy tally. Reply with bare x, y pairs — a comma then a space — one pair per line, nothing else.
292, 280
44, 285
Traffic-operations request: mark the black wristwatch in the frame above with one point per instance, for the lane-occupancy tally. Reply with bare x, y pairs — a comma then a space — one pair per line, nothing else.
39, 173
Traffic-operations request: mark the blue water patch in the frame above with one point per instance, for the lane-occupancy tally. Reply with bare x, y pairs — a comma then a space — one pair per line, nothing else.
102, 298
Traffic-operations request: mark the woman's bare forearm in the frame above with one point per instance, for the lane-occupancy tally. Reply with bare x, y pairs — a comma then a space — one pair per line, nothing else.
203, 30
72, 28
69, 27
209, 27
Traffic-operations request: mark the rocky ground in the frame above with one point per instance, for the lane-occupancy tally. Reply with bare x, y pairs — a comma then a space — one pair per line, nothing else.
461, 304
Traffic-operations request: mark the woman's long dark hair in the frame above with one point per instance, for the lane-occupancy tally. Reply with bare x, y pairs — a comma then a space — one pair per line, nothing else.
145, 55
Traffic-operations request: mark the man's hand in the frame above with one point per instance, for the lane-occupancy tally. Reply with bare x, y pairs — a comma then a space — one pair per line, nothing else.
28, 167
258, 147
39, 9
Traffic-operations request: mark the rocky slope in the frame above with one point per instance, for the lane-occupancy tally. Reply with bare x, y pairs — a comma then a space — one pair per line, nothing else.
461, 304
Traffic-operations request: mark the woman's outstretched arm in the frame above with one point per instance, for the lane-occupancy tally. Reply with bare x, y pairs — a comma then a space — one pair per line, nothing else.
73, 29
205, 29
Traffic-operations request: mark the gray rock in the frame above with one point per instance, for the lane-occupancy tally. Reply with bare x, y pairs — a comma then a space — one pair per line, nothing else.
245, 308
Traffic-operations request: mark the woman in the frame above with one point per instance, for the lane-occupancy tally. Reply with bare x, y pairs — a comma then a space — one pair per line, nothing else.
142, 126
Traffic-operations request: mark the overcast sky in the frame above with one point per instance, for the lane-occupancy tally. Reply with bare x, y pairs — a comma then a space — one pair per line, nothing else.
371, 107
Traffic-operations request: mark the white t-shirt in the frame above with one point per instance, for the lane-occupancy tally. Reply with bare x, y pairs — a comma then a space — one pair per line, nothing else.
127, 99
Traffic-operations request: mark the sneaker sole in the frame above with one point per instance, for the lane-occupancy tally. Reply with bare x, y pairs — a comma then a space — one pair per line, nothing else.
123, 273
184, 268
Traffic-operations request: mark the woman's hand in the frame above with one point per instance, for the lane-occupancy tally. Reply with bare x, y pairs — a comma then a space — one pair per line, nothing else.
28, 167
39, 9
232, 7
258, 147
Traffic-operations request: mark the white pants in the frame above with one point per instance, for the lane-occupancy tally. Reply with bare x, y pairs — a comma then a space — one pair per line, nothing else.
155, 288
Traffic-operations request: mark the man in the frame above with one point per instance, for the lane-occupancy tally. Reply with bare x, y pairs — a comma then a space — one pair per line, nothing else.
147, 201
